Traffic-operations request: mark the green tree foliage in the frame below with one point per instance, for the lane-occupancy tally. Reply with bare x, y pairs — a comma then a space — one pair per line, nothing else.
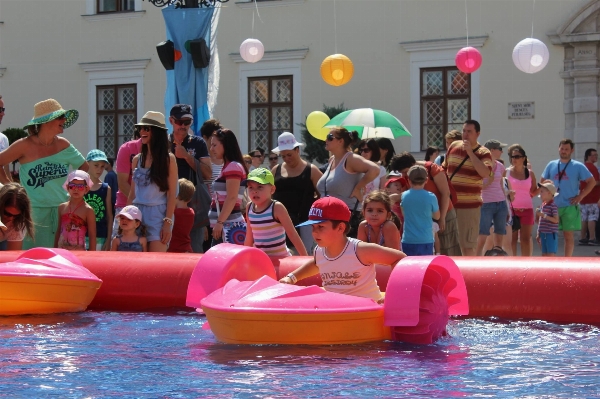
14, 134
315, 149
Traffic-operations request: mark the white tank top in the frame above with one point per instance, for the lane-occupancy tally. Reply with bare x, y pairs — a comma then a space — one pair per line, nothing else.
345, 274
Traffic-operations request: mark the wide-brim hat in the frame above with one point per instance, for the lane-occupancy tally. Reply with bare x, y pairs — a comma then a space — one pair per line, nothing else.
153, 118
286, 141
48, 110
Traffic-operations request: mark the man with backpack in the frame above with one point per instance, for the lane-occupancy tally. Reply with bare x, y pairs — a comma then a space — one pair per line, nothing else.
467, 163
437, 183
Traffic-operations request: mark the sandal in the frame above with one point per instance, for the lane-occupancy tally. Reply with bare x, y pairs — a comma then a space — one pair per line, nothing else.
597, 252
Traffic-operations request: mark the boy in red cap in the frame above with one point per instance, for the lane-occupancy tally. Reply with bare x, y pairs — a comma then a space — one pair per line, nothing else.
346, 265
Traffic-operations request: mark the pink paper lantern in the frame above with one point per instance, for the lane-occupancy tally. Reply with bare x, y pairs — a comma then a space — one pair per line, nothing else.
468, 59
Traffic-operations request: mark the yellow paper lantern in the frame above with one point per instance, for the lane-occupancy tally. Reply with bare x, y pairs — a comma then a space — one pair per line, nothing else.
337, 69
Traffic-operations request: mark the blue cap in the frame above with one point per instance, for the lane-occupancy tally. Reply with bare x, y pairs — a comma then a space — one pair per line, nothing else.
96, 155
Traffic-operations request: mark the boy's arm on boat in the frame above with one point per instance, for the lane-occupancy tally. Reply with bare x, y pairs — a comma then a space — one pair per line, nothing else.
306, 270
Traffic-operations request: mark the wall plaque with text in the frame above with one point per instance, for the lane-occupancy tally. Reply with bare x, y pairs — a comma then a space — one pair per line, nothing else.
522, 110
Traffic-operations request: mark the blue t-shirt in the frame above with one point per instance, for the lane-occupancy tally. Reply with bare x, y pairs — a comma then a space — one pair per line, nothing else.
569, 183
418, 207
196, 147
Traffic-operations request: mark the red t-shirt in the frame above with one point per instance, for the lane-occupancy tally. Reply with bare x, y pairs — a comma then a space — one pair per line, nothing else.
594, 195
184, 221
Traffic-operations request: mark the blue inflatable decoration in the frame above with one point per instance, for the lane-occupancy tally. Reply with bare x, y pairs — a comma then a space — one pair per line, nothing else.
187, 84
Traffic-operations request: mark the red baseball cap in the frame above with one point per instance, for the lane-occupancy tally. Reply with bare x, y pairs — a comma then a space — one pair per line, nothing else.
327, 208
402, 180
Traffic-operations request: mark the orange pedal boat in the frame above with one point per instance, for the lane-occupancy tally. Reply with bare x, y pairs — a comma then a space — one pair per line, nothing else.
45, 280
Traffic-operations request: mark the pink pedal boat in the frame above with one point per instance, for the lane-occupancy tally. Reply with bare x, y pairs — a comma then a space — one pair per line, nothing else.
45, 280
237, 288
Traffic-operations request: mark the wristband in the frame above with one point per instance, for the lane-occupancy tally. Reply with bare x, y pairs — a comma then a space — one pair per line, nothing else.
292, 277
219, 222
168, 220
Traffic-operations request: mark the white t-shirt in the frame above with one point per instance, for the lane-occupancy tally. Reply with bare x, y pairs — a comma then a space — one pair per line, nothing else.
3, 142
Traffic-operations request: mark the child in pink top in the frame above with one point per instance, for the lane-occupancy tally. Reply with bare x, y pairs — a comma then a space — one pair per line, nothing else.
75, 216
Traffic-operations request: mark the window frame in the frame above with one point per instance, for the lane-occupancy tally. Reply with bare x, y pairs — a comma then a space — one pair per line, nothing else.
270, 104
445, 97
119, 2
116, 112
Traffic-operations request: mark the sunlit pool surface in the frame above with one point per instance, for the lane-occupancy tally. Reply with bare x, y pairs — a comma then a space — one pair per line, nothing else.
168, 355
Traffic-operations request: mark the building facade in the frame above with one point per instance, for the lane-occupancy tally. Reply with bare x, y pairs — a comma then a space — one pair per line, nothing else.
99, 56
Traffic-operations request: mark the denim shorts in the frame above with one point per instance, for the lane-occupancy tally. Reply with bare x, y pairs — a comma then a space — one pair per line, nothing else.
496, 213
417, 249
152, 217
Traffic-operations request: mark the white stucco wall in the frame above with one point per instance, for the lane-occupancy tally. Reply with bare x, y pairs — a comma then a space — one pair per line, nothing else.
43, 43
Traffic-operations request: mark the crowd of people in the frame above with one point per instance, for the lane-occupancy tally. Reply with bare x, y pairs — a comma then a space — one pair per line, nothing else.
183, 192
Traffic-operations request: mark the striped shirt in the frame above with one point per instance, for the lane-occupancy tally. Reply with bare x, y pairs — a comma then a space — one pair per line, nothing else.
467, 182
232, 170
268, 233
544, 225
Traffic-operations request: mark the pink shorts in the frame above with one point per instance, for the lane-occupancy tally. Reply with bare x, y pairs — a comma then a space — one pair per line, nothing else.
526, 216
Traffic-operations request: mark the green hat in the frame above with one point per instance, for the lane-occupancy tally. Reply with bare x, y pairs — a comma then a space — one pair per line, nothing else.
95, 156
48, 110
262, 176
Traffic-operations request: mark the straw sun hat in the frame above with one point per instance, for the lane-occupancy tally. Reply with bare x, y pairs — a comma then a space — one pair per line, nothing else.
153, 118
48, 110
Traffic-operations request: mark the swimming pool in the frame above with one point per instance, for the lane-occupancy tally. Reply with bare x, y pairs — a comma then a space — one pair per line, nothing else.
156, 355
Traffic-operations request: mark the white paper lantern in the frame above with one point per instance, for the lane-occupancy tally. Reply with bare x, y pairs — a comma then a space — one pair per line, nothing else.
252, 50
530, 55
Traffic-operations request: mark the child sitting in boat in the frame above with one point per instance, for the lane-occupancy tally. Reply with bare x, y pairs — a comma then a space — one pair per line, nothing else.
131, 235
346, 265
76, 217
268, 220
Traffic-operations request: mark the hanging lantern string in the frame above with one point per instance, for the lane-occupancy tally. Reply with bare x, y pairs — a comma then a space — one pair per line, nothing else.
467, 22
257, 13
532, 17
334, 28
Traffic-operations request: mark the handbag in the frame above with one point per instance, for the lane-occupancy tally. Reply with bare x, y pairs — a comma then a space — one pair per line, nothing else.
516, 221
201, 199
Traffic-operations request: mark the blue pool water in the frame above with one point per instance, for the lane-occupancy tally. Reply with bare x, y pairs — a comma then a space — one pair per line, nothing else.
168, 355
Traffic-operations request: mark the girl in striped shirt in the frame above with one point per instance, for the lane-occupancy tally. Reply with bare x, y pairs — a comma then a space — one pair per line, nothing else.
268, 220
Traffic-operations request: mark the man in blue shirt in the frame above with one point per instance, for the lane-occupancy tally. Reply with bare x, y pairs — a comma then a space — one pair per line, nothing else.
566, 174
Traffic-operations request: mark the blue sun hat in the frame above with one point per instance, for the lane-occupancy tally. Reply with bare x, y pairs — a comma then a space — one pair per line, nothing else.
48, 110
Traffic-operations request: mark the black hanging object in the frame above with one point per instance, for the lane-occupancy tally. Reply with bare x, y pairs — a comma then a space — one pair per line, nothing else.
166, 53
200, 53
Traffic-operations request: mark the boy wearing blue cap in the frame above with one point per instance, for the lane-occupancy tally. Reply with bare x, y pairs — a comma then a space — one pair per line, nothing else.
99, 198
268, 220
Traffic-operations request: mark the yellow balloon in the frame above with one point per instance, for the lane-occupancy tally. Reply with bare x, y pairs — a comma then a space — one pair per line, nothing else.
314, 124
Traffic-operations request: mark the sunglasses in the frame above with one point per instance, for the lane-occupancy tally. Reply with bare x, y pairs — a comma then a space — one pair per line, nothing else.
75, 186
256, 156
364, 150
145, 128
273, 158
2, 109
517, 156
330, 137
182, 122
10, 215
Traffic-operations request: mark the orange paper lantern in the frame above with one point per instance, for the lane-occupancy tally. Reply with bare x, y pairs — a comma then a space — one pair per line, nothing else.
337, 69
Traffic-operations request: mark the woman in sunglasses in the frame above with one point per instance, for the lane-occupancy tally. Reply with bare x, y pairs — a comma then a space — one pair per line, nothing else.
524, 185
45, 158
154, 182
15, 211
369, 150
347, 174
